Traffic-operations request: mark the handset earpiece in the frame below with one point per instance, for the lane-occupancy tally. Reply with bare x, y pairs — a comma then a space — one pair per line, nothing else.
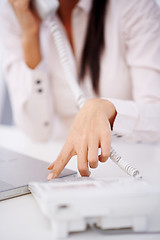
44, 8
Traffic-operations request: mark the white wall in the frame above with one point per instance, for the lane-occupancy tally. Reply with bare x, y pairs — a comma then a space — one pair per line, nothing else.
5, 117
2, 93
158, 1
1, 78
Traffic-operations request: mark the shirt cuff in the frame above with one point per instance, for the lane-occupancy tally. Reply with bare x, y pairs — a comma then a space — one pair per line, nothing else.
126, 118
38, 82
40, 67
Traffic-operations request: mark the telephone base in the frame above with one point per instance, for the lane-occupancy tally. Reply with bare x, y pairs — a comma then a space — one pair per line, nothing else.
111, 205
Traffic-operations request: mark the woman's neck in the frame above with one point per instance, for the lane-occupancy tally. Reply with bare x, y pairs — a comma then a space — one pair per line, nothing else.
65, 11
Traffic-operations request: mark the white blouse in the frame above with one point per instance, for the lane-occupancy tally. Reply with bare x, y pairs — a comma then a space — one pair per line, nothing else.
130, 72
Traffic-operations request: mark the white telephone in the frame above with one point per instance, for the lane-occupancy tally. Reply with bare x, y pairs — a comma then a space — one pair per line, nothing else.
109, 206
45, 9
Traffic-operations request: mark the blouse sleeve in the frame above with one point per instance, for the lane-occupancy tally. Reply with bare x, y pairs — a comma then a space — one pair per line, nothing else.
29, 89
140, 119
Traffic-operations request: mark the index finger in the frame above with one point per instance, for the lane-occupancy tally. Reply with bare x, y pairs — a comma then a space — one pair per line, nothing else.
61, 161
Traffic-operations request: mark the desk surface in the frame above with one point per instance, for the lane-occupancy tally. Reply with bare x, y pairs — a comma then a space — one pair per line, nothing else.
20, 218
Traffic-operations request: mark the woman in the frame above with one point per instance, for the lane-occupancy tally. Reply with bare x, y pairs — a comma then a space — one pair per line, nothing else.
114, 48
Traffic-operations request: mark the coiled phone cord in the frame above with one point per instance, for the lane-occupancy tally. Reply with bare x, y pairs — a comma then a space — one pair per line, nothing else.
114, 156
77, 92
79, 95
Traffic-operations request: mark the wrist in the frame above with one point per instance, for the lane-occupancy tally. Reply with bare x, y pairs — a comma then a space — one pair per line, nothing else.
110, 111
31, 32
106, 106
113, 115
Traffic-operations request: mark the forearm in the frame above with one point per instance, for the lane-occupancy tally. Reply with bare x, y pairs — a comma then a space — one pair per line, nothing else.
31, 49
30, 25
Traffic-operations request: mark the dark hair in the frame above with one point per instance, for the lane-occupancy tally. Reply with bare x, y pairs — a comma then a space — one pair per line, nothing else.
94, 43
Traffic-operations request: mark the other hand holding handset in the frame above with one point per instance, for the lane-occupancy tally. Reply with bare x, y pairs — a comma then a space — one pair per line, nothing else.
30, 23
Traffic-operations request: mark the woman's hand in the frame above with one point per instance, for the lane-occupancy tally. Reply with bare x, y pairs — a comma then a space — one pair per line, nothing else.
30, 24
91, 129
28, 19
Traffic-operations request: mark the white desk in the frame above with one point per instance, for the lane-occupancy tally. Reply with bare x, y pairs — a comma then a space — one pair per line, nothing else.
20, 218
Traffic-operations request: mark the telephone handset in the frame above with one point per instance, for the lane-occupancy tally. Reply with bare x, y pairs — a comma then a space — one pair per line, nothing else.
45, 7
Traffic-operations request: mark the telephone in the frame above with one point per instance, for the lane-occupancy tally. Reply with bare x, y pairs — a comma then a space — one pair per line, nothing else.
45, 7
109, 206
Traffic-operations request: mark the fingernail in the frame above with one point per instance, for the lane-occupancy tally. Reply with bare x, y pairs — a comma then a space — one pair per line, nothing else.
51, 175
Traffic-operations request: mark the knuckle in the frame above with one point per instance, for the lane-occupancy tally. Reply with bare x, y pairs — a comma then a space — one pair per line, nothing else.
106, 133
83, 137
104, 157
93, 165
57, 169
83, 170
84, 174
92, 160
69, 140
68, 149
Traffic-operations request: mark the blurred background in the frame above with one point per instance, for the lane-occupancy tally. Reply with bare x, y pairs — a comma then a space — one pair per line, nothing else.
5, 106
